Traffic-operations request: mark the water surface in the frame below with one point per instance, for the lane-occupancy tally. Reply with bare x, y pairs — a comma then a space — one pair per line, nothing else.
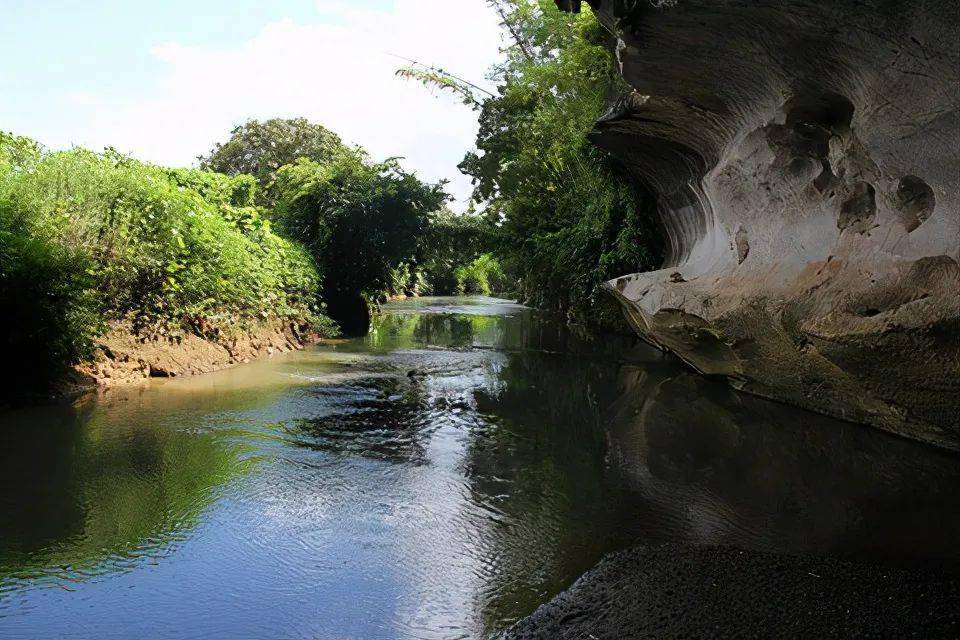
439, 478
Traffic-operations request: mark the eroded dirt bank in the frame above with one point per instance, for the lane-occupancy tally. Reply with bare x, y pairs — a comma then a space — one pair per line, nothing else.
124, 358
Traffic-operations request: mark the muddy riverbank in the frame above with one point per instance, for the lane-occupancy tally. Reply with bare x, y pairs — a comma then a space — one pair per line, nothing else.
124, 358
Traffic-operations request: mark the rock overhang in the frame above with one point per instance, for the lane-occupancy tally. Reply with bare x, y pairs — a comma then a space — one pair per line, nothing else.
805, 159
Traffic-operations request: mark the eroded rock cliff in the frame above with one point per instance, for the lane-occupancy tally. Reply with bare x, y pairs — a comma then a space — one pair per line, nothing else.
805, 157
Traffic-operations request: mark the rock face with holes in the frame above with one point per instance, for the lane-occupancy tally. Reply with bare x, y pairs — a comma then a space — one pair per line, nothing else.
805, 157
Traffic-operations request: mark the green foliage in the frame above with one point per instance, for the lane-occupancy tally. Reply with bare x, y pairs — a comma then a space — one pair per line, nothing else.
484, 275
435, 77
567, 218
45, 297
570, 221
361, 221
259, 148
450, 241
217, 188
46, 303
88, 238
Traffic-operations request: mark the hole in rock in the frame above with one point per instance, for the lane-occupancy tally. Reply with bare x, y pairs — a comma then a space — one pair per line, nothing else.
915, 201
859, 208
828, 110
743, 245
810, 120
826, 179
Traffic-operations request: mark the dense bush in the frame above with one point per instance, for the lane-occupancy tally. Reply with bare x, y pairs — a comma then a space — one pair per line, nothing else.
449, 242
484, 275
444, 240
88, 238
361, 221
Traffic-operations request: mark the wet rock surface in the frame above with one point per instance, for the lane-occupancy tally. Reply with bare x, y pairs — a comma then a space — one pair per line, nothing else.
805, 159
673, 591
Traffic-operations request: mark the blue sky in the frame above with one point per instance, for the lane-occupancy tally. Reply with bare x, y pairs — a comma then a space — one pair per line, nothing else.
164, 80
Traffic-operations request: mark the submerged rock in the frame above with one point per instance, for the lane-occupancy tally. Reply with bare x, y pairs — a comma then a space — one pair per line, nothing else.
805, 158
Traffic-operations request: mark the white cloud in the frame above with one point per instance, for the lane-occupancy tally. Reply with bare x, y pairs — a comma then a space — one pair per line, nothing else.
78, 99
337, 72
333, 7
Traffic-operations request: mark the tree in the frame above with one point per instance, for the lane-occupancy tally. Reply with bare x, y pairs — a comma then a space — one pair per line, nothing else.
449, 242
260, 148
568, 216
360, 220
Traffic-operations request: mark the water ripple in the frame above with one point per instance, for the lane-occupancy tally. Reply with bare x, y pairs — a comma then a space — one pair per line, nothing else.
438, 479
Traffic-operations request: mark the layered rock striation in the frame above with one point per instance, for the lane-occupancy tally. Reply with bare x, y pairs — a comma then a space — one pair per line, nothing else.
805, 159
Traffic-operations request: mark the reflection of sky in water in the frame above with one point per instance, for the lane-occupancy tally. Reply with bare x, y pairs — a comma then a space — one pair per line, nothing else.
438, 478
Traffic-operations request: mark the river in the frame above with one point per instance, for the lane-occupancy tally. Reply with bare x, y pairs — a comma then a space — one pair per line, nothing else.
439, 478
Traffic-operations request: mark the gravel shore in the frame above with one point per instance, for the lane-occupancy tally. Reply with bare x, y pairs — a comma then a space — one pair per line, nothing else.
674, 591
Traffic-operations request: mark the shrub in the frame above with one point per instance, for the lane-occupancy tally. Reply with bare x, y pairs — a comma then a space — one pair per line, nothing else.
47, 304
449, 242
89, 238
482, 276
361, 222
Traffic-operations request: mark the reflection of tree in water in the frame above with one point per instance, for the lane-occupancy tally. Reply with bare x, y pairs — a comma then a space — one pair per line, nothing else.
540, 466
397, 330
83, 495
390, 417
741, 471
580, 458
382, 418
449, 330
525, 330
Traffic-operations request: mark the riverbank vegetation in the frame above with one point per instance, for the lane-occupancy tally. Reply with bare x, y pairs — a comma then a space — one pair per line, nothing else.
90, 239
316, 230
565, 216
261, 148
373, 229
450, 242
361, 221
284, 223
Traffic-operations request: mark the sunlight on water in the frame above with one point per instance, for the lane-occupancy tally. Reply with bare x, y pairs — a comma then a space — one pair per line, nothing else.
439, 478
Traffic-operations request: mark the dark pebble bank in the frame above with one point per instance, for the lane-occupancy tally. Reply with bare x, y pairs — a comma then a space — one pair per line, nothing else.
707, 592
